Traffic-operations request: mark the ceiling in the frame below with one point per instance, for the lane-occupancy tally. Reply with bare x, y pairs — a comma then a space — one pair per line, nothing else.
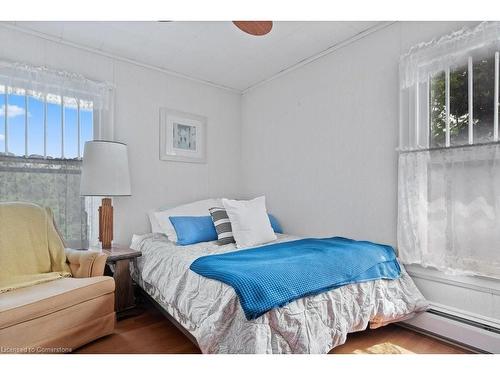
215, 52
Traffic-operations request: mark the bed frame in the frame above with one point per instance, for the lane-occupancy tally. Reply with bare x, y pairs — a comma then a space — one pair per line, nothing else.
179, 326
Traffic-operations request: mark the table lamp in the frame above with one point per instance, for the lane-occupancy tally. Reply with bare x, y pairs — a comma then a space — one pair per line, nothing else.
105, 173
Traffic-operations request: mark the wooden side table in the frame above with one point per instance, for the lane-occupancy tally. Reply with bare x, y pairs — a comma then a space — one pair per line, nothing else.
118, 266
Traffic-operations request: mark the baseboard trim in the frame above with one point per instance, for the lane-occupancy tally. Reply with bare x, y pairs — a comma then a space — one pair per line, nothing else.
457, 331
441, 338
466, 321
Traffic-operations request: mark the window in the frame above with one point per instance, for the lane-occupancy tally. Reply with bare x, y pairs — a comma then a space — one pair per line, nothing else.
46, 116
449, 153
35, 125
41, 146
438, 110
464, 102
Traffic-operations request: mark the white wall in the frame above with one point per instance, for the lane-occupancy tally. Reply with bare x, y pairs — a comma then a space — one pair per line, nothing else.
320, 142
140, 92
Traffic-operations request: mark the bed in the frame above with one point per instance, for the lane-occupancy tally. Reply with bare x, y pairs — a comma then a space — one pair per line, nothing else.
209, 310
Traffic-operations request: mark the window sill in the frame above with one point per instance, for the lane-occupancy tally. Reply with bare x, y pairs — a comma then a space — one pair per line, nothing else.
482, 284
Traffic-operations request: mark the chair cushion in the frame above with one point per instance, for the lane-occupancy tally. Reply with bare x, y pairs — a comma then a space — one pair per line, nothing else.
20, 305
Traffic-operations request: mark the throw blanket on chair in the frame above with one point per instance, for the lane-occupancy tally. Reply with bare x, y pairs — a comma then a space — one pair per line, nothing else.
31, 251
271, 276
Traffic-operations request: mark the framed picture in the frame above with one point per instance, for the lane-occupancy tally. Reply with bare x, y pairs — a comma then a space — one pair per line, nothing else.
182, 136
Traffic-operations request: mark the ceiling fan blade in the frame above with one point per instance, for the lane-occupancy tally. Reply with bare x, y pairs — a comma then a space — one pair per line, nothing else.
256, 28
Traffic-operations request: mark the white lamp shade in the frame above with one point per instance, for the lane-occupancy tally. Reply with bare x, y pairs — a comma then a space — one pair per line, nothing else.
105, 169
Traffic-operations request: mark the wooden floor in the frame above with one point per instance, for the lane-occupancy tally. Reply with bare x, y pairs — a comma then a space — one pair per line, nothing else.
150, 332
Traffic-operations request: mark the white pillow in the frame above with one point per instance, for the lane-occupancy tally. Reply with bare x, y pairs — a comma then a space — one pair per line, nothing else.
155, 226
249, 220
198, 208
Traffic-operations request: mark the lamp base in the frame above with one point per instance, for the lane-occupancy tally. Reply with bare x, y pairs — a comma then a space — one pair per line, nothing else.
106, 223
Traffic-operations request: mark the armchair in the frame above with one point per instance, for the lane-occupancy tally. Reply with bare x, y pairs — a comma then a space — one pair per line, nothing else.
51, 298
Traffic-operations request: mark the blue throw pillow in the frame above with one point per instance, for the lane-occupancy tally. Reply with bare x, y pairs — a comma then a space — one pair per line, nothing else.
275, 224
193, 229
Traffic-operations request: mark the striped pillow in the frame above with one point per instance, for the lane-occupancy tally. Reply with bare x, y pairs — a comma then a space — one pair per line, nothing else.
222, 225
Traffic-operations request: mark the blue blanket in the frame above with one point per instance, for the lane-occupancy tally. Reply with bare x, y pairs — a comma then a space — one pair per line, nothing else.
271, 276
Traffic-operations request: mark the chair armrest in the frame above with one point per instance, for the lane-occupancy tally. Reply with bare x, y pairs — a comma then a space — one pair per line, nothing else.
85, 263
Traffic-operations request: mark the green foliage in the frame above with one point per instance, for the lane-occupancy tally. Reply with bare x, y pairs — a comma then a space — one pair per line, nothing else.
483, 103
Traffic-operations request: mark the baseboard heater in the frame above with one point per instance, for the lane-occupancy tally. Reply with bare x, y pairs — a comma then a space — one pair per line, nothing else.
475, 336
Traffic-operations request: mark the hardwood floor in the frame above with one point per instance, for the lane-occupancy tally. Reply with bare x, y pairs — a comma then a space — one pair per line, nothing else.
394, 339
150, 332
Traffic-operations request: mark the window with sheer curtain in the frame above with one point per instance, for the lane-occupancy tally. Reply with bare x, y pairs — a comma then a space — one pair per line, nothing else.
46, 116
449, 154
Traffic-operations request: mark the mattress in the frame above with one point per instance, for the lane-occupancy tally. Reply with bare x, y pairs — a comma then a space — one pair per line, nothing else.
210, 310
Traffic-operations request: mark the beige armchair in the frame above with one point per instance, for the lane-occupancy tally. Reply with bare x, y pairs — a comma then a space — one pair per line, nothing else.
50, 313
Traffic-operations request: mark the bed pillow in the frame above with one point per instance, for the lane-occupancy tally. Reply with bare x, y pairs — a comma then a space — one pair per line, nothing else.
222, 225
275, 224
193, 229
249, 221
155, 226
224, 229
198, 208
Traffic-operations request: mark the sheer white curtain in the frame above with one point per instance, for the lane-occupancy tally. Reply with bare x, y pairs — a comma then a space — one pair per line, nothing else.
50, 183
56, 82
449, 209
449, 193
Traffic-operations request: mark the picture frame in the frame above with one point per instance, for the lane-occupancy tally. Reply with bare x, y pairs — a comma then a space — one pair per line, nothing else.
182, 136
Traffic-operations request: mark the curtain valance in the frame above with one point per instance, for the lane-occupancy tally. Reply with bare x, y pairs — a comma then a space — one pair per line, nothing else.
428, 58
45, 81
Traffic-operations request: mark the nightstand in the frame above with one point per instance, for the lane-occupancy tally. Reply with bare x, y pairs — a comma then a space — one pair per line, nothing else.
118, 261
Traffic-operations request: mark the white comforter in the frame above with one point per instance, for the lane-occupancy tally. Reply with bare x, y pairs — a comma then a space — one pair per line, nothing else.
211, 312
